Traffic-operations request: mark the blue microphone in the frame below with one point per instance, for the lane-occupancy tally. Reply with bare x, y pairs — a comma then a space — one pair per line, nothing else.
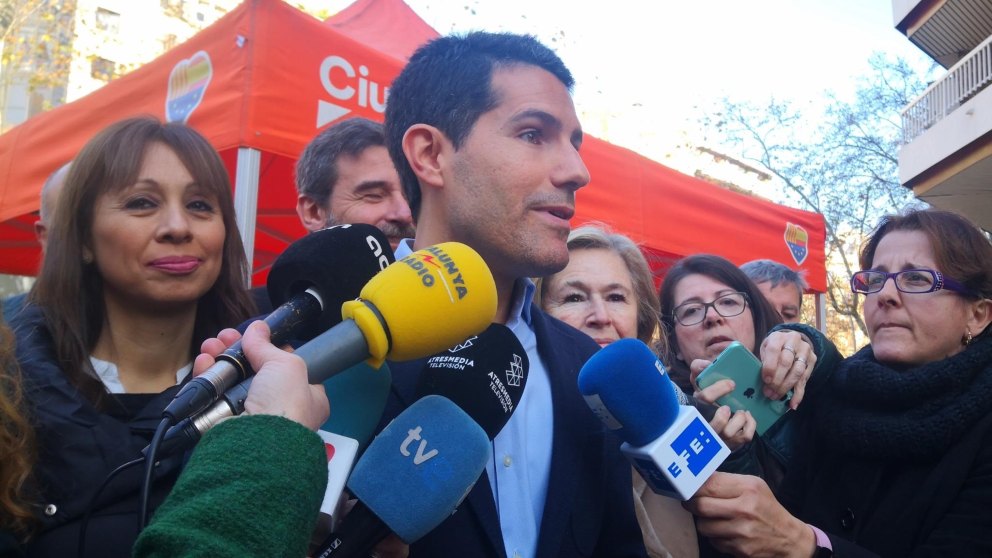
358, 398
670, 445
412, 477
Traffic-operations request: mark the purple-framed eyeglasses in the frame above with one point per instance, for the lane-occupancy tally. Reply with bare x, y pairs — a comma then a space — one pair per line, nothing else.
913, 281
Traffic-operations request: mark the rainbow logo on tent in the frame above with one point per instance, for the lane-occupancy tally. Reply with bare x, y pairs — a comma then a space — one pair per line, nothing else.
797, 239
187, 83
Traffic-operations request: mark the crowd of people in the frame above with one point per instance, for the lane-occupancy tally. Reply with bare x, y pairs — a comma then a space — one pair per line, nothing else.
880, 453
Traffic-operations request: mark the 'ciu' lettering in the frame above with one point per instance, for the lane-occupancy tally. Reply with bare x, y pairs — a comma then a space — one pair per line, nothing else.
413, 435
368, 91
377, 251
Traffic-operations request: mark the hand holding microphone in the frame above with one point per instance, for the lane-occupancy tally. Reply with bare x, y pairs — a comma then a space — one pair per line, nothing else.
426, 302
280, 386
670, 445
307, 292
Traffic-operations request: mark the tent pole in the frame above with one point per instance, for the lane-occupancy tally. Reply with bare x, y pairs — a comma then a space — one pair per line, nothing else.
246, 199
821, 312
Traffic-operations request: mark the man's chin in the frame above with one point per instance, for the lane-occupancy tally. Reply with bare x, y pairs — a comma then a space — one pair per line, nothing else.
550, 264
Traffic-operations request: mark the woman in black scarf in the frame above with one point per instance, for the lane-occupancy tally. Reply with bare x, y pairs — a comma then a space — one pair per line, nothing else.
897, 453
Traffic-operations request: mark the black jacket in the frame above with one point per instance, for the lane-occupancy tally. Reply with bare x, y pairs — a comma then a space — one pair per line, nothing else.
922, 498
79, 446
589, 510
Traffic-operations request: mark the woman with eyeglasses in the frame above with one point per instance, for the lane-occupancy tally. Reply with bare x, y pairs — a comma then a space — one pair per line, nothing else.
706, 304
895, 456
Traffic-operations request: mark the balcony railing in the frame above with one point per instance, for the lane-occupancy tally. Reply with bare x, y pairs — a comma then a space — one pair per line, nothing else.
966, 78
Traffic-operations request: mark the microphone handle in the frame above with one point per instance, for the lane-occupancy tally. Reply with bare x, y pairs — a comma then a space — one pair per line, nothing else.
334, 351
326, 355
232, 365
284, 323
364, 530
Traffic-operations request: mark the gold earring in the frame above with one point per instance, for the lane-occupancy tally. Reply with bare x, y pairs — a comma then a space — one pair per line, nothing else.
967, 337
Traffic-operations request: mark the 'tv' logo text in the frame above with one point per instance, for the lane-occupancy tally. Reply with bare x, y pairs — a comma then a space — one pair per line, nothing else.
414, 435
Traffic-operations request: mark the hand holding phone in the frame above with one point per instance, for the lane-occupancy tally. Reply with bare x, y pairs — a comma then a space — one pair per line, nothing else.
737, 363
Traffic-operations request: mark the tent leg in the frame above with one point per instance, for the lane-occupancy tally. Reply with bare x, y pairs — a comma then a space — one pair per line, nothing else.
821, 312
246, 199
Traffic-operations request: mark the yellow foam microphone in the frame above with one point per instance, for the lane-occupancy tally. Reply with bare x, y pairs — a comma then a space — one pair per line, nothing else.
424, 303
429, 301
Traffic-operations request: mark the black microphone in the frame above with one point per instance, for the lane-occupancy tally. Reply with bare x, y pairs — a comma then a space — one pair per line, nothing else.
319, 271
485, 375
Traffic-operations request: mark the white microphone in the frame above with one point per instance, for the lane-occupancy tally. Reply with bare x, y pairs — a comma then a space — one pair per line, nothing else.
342, 452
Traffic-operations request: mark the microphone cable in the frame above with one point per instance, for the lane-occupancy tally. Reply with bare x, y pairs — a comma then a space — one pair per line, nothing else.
146, 485
81, 542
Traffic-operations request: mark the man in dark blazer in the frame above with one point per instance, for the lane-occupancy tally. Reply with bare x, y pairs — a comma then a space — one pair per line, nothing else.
485, 137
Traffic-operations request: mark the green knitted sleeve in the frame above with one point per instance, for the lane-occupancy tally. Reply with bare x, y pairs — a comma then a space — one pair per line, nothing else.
253, 487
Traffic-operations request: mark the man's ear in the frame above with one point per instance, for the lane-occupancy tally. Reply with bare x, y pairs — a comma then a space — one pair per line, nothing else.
424, 147
313, 216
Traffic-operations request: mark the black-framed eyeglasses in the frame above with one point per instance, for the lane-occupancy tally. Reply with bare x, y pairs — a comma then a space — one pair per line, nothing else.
728, 306
913, 281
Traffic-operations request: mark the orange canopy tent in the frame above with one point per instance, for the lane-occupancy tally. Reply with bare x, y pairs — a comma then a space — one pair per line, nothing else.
262, 81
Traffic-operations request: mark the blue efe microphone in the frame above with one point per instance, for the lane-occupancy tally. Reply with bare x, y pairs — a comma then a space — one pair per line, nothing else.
670, 445
412, 476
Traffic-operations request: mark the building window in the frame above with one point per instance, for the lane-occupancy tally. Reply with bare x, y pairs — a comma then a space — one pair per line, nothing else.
107, 20
173, 8
103, 69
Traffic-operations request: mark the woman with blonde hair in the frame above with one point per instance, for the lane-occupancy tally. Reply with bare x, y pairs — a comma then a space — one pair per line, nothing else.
607, 292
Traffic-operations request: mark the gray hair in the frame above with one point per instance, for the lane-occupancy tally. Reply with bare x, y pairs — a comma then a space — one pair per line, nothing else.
599, 236
762, 271
51, 186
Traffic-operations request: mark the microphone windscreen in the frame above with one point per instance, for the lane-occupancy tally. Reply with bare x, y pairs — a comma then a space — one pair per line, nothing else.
336, 261
358, 396
429, 301
485, 375
628, 388
421, 466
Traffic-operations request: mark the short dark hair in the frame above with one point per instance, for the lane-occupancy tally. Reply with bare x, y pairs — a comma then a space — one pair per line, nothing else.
960, 249
317, 169
763, 314
448, 84
770, 271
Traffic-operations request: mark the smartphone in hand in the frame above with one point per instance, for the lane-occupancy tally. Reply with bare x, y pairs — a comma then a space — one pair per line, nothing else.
737, 363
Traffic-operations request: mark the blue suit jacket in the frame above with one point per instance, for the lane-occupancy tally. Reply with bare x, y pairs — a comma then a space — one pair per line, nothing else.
589, 509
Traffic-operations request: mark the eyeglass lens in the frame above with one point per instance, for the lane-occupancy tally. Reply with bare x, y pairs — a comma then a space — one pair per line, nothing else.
728, 305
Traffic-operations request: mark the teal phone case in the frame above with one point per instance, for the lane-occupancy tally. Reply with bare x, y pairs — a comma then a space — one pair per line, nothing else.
738, 364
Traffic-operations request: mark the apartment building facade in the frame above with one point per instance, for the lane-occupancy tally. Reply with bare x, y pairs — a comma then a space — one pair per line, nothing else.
946, 157
57, 51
